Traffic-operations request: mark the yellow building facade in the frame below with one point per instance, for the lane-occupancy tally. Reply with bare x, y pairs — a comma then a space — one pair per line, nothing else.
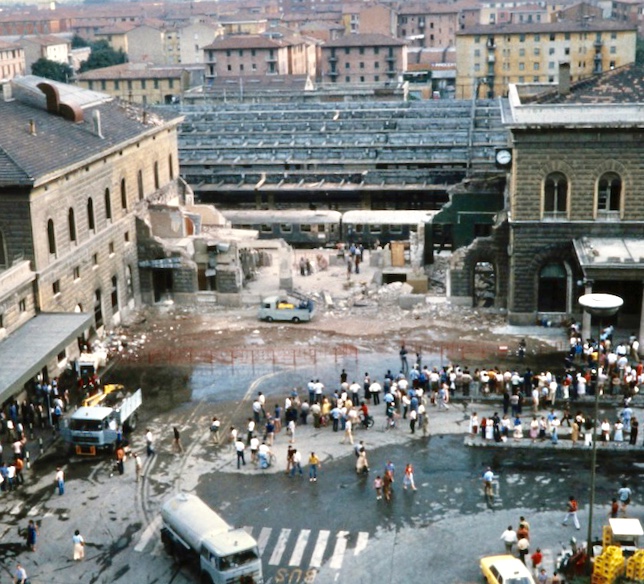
489, 58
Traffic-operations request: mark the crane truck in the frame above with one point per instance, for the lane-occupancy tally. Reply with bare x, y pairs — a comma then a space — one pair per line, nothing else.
101, 420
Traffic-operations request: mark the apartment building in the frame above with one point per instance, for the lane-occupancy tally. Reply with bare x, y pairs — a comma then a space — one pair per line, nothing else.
78, 169
12, 60
434, 25
250, 55
489, 58
374, 18
141, 83
631, 11
50, 47
363, 58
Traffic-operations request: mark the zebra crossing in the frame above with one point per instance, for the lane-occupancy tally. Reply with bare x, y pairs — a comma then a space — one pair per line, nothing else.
305, 548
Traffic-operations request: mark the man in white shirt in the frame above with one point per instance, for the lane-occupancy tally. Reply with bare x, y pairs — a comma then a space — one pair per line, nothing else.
239, 449
296, 464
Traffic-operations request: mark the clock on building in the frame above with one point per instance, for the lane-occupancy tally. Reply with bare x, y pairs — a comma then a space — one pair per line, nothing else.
503, 157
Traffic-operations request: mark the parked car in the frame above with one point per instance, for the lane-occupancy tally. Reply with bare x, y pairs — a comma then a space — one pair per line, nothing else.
505, 569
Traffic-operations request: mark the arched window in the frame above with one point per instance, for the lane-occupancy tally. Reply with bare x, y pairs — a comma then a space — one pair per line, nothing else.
108, 204
140, 183
609, 192
71, 221
51, 237
555, 202
123, 194
3, 251
90, 214
552, 288
156, 176
170, 167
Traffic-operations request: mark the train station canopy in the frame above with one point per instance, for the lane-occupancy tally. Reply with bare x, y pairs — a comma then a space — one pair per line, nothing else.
616, 258
27, 350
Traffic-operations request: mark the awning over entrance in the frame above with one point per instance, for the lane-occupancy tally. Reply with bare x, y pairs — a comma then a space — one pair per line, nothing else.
608, 257
25, 352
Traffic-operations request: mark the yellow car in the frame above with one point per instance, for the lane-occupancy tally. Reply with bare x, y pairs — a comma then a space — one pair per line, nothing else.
505, 570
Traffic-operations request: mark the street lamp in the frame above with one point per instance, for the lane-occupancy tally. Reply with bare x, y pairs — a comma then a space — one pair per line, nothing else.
601, 306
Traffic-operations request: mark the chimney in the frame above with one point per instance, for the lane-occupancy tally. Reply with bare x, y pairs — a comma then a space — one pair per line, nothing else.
32, 128
7, 94
564, 79
96, 123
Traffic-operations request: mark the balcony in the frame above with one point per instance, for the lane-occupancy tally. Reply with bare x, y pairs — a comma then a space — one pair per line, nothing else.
491, 59
271, 59
332, 59
598, 44
333, 74
390, 58
490, 45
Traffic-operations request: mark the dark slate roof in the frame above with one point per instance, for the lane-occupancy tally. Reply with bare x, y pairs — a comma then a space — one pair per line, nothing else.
623, 85
364, 40
60, 143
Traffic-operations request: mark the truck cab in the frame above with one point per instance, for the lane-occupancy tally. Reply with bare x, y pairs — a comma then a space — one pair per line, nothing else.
285, 309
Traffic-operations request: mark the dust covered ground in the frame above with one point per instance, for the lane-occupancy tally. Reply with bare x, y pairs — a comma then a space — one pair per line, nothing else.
351, 310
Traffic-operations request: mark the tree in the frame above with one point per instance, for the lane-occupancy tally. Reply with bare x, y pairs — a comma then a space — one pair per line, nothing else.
639, 51
79, 42
52, 70
103, 55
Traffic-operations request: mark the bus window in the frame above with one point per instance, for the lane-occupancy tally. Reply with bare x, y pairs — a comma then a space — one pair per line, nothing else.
286, 228
395, 229
375, 228
321, 228
305, 228
238, 559
359, 228
265, 228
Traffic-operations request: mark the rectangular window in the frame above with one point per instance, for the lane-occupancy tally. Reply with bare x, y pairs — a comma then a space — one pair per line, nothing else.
567, 51
111, 248
552, 36
142, 83
566, 36
286, 228
477, 52
551, 65
126, 237
156, 84
117, 85
376, 65
395, 229
347, 50
252, 52
522, 38
62, 356
76, 273
347, 65
537, 52
22, 305
535, 66
95, 260
376, 50
361, 51
305, 228
361, 65
347, 79
521, 52
266, 228
376, 78
521, 66
613, 50
103, 85
375, 228
1, 321
55, 287
537, 38
129, 84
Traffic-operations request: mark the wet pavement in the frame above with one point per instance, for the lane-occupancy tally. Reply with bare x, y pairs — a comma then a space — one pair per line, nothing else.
333, 530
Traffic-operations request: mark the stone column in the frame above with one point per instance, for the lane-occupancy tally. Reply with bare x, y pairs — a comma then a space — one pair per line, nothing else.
586, 331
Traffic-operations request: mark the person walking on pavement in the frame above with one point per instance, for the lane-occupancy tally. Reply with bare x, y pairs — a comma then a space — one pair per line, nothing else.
239, 449
214, 429
404, 365
523, 545
296, 464
314, 464
120, 459
138, 466
572, 507
60, 481
79, 546
624, 496
509, 537
149, 442
32, 534
176, 443
20, 575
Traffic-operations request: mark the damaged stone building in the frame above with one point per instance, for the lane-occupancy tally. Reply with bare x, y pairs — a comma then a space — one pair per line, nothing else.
573, 220
81, 177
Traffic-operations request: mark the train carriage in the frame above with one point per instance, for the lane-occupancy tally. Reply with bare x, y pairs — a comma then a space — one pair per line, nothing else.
298, 228
381, 227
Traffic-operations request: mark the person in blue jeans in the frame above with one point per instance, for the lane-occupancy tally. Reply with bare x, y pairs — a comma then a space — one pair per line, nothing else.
314, 463
296, 464
60, 481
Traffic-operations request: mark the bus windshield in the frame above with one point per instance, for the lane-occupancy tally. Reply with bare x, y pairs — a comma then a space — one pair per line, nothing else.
238, 559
